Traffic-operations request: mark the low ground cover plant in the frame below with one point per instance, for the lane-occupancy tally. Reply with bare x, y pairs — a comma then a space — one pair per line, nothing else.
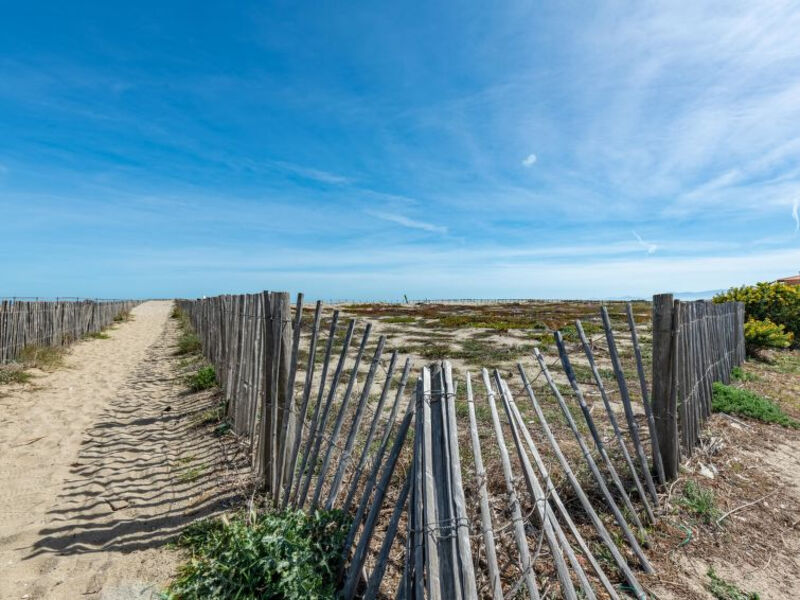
723, 590
737, 401
286, 555
13, 374
202, 379
700, 501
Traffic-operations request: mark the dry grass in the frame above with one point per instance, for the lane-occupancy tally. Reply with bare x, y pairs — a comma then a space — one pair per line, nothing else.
46, 358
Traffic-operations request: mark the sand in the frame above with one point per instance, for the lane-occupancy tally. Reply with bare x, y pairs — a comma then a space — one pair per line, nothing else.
102, 463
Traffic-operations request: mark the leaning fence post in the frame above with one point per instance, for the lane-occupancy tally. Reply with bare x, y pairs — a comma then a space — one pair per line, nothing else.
664, 406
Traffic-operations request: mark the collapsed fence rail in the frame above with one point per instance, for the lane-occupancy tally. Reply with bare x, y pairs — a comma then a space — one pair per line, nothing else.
327, 412
26, 324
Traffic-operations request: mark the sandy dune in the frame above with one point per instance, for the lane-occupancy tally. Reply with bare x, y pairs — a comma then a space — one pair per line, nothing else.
100, 465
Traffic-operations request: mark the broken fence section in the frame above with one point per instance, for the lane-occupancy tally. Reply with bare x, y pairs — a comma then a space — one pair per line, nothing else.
334, 420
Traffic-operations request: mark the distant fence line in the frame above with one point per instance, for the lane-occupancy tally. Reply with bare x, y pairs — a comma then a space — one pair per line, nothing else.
694, 345
57, 323
321, 438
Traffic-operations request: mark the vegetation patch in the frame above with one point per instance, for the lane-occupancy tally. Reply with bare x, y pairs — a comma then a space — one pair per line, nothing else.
700, 501
190, 474
777, 302
275, 556
739, 374
738, 401
765, 334
399, 319
97, 335
13, 375
124, 317
46, 358
723, 590
209, 416
203, 379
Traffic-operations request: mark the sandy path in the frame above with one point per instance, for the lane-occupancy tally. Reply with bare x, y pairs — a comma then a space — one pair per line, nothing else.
100, 465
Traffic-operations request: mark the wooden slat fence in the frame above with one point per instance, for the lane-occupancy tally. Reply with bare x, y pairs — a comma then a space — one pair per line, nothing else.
694, 345
333, 420
58, 323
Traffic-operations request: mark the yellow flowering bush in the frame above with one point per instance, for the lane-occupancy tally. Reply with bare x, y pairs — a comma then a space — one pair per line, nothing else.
777, 303
765, 334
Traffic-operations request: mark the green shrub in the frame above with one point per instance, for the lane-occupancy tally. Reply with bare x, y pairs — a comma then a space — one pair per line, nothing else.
737, 401
203, 379
765, 334
777, 302
279, 556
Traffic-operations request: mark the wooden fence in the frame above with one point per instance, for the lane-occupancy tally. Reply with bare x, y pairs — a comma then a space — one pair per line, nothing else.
694, 345
57, 323
326, 412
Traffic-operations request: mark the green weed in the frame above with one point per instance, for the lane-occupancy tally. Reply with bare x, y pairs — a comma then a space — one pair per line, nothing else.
13, 375
723, 590
739, 374
203, 379
190, 475
737, 401
209, 416
279, 556
97, 335
700, 501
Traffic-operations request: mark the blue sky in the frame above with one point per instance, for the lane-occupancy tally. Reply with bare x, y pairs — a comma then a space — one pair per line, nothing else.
371, 150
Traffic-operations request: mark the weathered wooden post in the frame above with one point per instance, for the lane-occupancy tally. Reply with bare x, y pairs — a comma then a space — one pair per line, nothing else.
664, 406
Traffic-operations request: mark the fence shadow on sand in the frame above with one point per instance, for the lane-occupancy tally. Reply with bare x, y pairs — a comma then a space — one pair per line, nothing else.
145, 470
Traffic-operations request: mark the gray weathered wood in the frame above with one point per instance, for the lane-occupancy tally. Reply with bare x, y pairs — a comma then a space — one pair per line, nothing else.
665, 414
526, 563
487, 529
595, 471
597, 522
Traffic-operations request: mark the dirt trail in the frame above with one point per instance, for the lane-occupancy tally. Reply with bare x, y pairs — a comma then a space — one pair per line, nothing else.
100, 465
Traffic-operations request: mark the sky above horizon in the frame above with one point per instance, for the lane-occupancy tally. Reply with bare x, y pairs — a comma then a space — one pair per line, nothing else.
371, 150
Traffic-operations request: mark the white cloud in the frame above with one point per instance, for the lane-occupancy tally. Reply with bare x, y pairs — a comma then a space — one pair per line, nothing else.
410, 223
651, 248
795, 216
315, 174
529, 161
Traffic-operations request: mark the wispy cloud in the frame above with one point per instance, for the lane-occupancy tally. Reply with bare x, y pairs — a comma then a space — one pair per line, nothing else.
795, 216
314, 174
651, 248
406, 222
529, 161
